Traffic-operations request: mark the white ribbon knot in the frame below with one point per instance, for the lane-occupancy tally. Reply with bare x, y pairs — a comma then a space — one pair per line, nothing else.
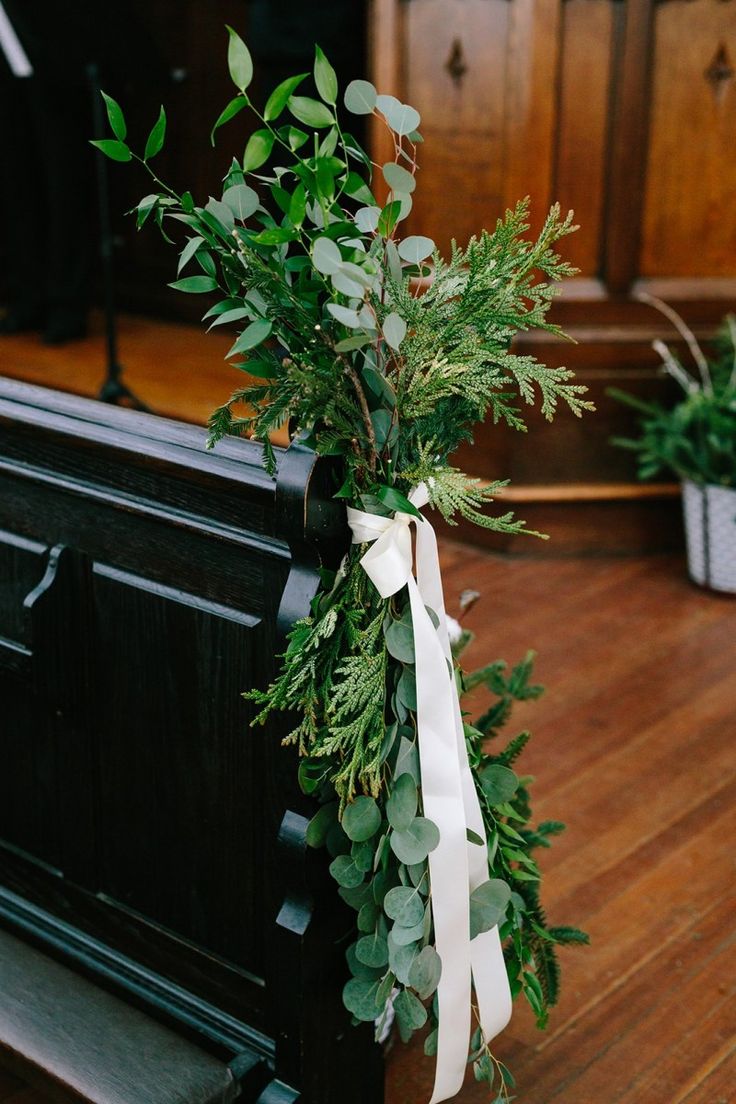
456, 866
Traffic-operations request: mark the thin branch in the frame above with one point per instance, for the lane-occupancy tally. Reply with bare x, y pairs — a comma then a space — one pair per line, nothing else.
682, 328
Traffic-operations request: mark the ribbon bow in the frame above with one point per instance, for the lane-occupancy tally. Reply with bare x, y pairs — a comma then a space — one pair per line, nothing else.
456, 866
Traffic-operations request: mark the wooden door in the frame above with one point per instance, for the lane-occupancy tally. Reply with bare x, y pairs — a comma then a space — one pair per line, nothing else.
623, 110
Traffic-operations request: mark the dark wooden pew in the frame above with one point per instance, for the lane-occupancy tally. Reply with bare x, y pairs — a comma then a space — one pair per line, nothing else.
151, 845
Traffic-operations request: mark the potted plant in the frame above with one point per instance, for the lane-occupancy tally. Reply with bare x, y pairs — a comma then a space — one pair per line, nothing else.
384, 354
696, 440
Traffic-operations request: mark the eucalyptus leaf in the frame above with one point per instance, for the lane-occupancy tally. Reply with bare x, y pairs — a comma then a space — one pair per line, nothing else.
401, 957
362, 854
394, 330
499, 783
425, 972
366, 219
345, 872
400, 642
410, 1013
367, 917
403, 937
320, 824
359, 969
414, 843
415, 248
407, 760
361, 818
360, 97
242, 201
407, 690
401, 806
221, 212
398, 178
402, 118
488, 904
326, 256
404, 905
344, 315
360, 997
346, 286
372, 950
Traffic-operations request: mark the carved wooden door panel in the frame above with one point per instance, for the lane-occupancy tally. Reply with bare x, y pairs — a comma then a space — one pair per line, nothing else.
625, 111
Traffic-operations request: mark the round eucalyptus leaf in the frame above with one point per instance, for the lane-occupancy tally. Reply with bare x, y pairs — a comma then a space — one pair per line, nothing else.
358, 274
366, 219
345, 872
361, 819
320, 824
400, 641
362, 855
488, 904
424, 975
407, 689
326, 256
402, 937
415, 248
357, 896
415, 843
359, 969
242, 201
360, 997
372, 950
402, 118
360, 97
407, 761
398, 178
404, 905
401, 807
499, 783
410, 1013
401, 958
367, 917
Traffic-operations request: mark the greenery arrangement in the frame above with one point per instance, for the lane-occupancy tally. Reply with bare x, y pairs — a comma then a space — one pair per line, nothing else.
696, 437
384, 354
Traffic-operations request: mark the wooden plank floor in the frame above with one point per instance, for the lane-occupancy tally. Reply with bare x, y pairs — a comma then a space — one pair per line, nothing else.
633, 747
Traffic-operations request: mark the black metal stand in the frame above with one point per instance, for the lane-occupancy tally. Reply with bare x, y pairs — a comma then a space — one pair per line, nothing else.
113, 389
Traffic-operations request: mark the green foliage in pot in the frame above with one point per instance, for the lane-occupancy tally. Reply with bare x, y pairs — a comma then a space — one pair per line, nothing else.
696, 437
384, 354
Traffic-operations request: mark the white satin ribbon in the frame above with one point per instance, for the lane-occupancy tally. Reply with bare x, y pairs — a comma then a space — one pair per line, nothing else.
456, 866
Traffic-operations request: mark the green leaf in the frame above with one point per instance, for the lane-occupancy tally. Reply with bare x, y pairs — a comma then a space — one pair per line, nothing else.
400, 958
406, 691
239, 61
325, 77
361, 818
398, 178
416, 248
372, 950
344, 283
279, 98
320, 824
404, 905
357, 896
407, 761
400, 644
258, 149
404, 937
425, 972
401, 806
382, 421
410, 1013
397, 501
430, 1043
345, 872
326, 256
221, 212
360, 97
488, 904
235, 106
473, 837
350, 343
356, 187
310, 112
298, 205
295, 137
242, 201
344, 315
262, 369
360, 998
116, 151
415, 842
499, 783
388, 218
188, 252
367, 917
366, 219
277, 235
115, 117
196, 285
394, 330
402, 118
155, 141
251, 336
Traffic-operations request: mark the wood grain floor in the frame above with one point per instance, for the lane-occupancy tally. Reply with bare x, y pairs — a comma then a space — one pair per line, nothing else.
633, 747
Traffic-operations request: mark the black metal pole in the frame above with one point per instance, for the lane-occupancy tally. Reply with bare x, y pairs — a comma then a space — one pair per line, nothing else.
113, 389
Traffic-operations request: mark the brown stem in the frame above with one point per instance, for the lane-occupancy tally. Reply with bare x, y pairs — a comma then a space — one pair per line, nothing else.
353, 377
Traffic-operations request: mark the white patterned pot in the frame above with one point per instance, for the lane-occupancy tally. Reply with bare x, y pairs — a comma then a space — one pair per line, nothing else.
710, 533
